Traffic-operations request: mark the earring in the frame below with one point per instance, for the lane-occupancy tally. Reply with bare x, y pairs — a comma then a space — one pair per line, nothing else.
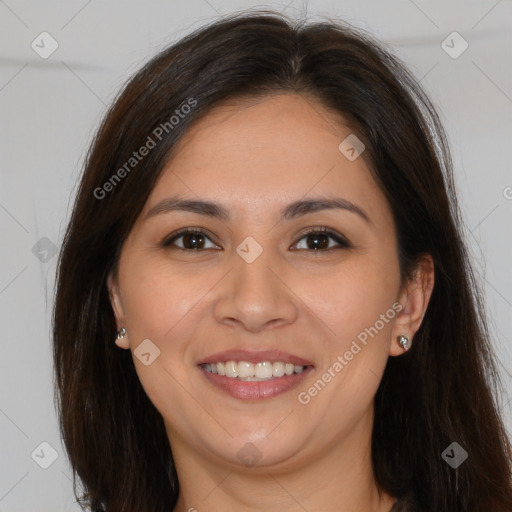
121, 333
403, 341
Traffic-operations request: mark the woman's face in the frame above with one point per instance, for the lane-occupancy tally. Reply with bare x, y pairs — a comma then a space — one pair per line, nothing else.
254, 283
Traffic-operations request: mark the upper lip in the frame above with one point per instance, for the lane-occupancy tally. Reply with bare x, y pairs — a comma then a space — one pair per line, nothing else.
254, 356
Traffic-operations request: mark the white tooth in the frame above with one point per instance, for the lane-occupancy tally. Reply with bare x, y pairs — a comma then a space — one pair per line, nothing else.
248, 371
263, 370
231, 369
245, 369
278, 369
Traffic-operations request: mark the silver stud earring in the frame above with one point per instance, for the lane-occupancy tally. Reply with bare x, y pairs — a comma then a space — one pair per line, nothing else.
121, 333
403, 341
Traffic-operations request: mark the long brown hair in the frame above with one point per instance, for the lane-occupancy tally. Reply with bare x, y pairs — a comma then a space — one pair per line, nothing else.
443, 390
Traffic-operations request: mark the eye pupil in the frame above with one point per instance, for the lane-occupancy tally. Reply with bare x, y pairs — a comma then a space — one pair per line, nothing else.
319, 240
196, 240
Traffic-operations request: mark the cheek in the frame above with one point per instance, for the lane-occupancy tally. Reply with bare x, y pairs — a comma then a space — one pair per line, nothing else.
159, 305
165, 304
157, 299
353, 297
356, 304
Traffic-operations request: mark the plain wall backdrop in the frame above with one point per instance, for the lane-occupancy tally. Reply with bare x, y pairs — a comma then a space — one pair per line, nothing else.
54, 88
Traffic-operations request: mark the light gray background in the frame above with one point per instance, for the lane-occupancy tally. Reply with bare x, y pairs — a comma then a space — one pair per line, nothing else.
49, 109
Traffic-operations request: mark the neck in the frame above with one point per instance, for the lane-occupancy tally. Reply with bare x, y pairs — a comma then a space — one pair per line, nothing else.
340, 479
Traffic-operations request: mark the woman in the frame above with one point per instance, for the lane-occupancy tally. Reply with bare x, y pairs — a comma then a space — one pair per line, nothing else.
264, 301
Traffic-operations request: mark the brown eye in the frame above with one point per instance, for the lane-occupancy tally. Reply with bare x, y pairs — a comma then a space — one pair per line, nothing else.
317, 241
320, 240
192, 239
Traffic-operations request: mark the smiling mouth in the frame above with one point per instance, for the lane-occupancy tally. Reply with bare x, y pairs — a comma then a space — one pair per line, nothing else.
253, 372
248, 374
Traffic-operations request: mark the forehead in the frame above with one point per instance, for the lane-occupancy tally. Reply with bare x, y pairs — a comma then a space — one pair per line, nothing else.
282, 147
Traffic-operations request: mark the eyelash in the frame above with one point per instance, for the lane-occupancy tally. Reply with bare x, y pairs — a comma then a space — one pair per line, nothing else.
342, 241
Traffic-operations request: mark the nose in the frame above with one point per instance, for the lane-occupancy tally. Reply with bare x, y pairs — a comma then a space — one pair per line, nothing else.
256, 296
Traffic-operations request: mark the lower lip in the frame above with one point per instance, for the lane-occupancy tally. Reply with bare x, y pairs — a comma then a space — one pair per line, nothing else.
256, 390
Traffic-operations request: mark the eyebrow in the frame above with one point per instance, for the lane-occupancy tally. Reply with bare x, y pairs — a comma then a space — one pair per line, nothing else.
291, 211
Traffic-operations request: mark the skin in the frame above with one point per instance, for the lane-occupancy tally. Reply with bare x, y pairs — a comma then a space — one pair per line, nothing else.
255, 157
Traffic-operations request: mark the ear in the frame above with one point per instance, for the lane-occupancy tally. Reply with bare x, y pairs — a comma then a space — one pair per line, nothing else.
115, 301
414, 298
